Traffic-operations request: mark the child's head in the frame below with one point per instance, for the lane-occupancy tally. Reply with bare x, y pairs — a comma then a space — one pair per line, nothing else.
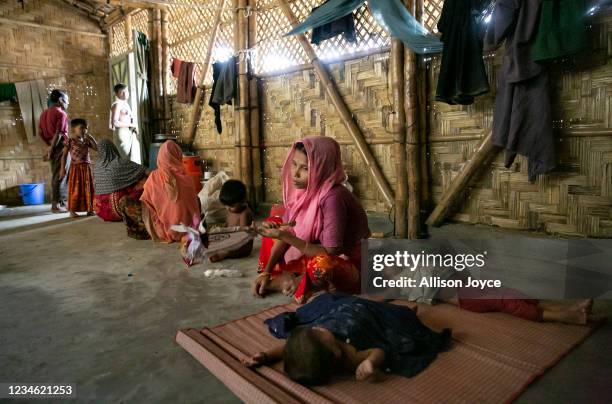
121, 91
310, 355
59, 98
78, 127
233, 195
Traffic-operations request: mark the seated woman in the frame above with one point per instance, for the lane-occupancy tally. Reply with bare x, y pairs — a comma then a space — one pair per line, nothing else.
340, 331
169, 196
324, 246
118, 185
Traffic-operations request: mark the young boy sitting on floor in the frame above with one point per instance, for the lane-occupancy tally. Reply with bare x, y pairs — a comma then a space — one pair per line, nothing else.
234, 196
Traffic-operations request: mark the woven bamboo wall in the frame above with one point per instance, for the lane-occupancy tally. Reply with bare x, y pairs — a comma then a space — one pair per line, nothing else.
294, 106
576, 199
73, 62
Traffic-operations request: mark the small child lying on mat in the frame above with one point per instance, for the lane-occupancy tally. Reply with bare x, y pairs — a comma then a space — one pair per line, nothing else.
234, 196
336, 331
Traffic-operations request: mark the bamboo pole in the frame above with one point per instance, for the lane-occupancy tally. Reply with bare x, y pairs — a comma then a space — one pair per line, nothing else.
155, 72
399, 130
412, 138
128, 30
255, 115
480, 158
423, 122
244, 98
342, 109
194, 119
165, 67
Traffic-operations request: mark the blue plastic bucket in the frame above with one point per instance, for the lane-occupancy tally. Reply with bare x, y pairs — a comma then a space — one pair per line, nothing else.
32, 194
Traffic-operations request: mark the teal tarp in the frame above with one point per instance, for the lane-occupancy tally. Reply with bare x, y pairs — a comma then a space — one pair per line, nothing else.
390, 14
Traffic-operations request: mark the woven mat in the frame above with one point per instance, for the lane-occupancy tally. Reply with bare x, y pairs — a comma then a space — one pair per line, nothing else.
493, 359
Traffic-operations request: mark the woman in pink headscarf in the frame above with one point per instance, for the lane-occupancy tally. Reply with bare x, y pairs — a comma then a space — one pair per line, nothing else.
169, 196
323, 247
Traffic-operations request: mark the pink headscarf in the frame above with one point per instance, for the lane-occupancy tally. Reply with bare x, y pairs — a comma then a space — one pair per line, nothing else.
170, 194
304, 205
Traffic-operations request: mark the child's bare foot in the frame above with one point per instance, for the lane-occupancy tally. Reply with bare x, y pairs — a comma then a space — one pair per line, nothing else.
73, 214
586, 304
365, 370
217, 257
90, 213
57, 209
573, 317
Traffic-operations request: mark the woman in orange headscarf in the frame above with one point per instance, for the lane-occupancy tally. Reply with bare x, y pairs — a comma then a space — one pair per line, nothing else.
169, 196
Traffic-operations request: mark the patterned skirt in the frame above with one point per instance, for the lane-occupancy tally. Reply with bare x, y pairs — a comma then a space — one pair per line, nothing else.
80, 188
124, 205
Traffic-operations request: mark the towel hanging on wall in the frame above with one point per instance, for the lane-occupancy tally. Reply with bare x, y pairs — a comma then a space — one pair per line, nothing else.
32, 96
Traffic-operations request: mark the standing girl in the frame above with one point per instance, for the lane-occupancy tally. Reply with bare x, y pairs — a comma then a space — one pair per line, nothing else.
80, 181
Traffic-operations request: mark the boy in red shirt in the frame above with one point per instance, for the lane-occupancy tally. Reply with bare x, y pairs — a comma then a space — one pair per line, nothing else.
53, 129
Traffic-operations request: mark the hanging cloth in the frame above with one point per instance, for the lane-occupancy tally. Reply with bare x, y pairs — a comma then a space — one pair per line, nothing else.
175, 67
522, 119
462, 72
342, 26
32, 97
391, 14
8, 92
562, 30
225, 77
186, 83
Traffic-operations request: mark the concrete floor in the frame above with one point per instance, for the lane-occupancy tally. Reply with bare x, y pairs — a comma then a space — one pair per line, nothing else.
82, 303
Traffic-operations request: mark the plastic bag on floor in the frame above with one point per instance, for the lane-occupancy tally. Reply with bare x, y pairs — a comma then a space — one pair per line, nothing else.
201, 244
214, 211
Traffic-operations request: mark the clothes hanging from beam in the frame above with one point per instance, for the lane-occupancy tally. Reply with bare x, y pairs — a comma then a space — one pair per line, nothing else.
522, 120
8, 92
561, 31
32, 97
224, 90
175, 67
391, 14
186, 85
462, 72
343, 26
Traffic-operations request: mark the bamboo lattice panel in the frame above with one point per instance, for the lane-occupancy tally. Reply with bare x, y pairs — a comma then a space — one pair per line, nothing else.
294, 106
190, 31
119, 44
274, 51
432, 9
140, 22
576, 199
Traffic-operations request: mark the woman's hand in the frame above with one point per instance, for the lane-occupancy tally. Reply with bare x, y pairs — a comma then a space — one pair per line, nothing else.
277, 233
258, 359
260, 284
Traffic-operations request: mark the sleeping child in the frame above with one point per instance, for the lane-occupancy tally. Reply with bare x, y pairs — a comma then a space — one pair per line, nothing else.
338, 331
234, 196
